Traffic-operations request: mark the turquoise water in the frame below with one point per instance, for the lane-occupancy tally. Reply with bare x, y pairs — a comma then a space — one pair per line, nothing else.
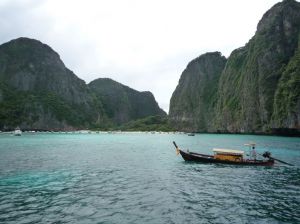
137, 178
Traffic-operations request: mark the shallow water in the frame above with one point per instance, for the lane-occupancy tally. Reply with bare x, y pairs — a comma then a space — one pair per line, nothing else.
137, 178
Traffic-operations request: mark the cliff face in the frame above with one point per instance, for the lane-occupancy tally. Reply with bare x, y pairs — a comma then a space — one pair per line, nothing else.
123, 104
29, 65
258, 89
287, 96
37, 91
255, 72
193, 101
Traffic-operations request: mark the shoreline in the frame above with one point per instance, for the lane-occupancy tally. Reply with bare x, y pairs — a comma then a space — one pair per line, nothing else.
88, 131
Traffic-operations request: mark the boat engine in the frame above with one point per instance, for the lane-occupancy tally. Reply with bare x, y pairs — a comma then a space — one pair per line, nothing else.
266, 154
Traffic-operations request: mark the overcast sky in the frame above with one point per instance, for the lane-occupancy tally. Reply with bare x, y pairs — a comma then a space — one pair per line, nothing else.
145, 44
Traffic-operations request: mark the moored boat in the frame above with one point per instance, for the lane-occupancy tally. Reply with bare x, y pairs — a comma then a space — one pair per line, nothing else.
226, 156
17, 132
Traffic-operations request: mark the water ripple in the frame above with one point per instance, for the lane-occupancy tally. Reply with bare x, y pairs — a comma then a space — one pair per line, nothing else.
96, 179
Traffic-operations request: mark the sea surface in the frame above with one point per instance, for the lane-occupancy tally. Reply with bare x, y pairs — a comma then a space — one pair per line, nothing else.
137, 178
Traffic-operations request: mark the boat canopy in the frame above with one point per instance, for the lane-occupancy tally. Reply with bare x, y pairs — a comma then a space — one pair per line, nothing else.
228, 151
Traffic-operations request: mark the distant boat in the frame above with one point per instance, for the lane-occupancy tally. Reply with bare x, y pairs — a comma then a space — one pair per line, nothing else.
191, 134
17, 132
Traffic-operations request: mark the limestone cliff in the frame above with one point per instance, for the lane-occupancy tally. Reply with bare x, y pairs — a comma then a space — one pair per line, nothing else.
37, 91
123, 104
258, 89
193, 101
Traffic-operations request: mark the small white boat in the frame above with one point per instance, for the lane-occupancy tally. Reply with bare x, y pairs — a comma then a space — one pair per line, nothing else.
17, 132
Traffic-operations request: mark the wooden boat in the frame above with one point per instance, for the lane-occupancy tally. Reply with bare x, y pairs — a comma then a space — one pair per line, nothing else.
196, 157
225, 156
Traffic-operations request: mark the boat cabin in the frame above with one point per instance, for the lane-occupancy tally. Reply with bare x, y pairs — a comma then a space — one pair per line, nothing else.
228, 155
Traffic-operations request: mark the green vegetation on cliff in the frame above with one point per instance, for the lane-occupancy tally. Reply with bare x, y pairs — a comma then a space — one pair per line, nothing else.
255, 70
37, 91
287, 97
151, 123
123, 104
192, 103
258, 88
40, 110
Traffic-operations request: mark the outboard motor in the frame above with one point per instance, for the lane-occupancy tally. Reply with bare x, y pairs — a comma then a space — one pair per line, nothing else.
266, 154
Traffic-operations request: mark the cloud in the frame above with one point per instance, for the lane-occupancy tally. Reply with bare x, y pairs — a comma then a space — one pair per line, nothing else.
143, 44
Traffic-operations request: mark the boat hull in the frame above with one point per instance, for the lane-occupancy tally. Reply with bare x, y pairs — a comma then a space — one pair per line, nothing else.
202, 158
17, 133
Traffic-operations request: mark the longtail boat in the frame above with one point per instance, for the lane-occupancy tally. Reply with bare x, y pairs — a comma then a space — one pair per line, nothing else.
228, 156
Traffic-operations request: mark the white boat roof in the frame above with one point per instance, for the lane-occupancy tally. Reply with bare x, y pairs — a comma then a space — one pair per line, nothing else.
229, 151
